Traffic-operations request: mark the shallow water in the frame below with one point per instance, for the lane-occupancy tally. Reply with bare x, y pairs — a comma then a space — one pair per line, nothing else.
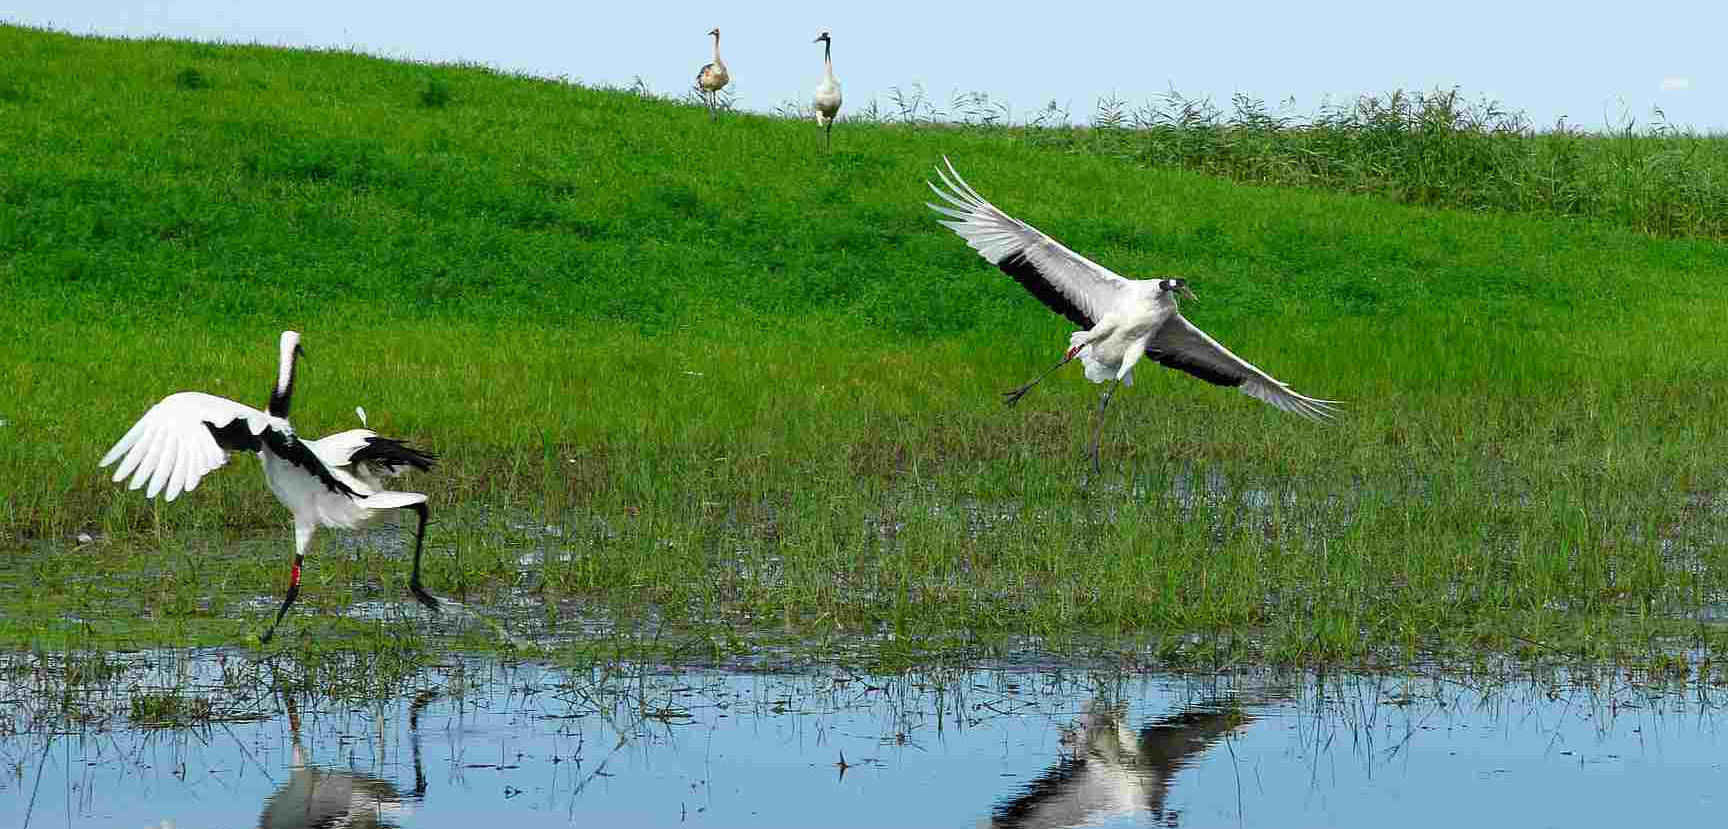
537, 745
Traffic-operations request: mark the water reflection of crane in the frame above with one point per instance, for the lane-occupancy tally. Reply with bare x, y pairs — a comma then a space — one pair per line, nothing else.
1112, 771
320, 798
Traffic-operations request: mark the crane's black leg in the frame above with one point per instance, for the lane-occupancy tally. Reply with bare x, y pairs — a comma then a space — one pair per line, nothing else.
293, 593
828, 135
414, 587
420, 702
1098, 428
1015, 395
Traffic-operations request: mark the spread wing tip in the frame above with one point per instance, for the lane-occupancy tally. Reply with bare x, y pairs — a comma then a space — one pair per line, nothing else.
1314, 408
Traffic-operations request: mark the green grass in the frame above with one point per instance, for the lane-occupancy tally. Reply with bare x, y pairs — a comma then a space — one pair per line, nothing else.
734, 387
1433, 149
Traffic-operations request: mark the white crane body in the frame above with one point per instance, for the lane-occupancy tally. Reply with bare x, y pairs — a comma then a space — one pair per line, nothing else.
826, 99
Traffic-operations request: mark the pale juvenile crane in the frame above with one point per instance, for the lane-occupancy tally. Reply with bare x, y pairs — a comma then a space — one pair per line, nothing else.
826, 98
713, 77
1123, 319
336, 481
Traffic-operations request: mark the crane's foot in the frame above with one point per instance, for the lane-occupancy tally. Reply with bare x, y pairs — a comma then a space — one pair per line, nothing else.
269, 633
1015, 395
432, 603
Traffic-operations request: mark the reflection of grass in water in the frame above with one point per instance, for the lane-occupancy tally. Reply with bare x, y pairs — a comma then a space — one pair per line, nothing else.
169, 709
752, 388
600, 711
89, 682
182, 689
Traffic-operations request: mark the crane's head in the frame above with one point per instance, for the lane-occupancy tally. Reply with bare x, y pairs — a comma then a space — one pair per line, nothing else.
822, 38
714, 31
1176, 286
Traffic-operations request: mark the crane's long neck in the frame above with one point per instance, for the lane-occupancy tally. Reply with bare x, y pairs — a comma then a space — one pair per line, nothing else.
828, 57
282, 397
717, 47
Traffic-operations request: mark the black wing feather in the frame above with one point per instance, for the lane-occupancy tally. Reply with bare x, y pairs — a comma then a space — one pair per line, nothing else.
1197, 368
1024, 272
234, 436
1175, 347
392, 454
289, 448
1048, 785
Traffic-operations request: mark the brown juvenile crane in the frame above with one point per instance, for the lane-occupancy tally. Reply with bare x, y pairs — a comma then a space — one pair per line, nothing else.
713, 78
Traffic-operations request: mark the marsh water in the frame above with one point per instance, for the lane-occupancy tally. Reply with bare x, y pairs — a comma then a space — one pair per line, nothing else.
526, 745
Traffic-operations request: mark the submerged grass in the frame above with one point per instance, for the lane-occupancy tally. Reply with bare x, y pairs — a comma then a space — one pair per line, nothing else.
707, 383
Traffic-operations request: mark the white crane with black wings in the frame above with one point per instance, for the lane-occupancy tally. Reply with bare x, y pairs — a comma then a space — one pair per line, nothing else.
1123, 319
826, 99
336, 481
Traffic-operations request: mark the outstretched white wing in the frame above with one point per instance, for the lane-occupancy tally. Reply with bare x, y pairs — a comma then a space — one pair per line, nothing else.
183, 438
1179, 345
1070, 284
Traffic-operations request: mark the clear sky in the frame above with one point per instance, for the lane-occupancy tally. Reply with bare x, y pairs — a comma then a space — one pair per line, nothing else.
1593, 63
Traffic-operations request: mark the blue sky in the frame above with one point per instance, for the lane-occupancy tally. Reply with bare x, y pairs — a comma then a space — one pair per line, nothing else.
1593, 65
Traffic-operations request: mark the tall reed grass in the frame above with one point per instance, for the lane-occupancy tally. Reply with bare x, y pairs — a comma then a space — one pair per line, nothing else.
1433, 148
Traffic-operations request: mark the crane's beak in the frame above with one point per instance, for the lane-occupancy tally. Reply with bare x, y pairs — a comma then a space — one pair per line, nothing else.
1187, 293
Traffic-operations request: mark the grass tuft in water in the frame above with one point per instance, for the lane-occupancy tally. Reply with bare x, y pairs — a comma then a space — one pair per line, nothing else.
169, 709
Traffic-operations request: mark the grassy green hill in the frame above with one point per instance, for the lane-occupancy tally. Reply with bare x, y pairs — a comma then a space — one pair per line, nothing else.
744, 379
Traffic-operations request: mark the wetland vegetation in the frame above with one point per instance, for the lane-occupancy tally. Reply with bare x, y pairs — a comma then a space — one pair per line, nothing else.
703, 391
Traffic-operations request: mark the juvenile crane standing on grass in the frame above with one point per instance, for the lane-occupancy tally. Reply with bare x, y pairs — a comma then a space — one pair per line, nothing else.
1124, 319
826, 99
713, 78
337, 481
